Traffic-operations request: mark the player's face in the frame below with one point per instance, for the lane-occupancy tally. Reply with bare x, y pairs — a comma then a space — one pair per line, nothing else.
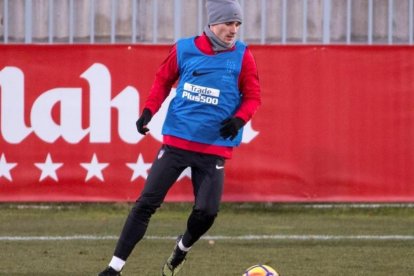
226, 32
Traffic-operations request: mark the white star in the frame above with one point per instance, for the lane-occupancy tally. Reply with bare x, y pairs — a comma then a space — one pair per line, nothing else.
140, 168
5, 167
48, 168
185, 173
94, 168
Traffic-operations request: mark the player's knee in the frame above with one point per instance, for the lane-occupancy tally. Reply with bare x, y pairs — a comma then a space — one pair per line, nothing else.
206, 209
202, 217
145, 208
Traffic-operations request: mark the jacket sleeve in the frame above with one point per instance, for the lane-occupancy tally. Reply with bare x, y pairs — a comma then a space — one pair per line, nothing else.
165, 78
249, 87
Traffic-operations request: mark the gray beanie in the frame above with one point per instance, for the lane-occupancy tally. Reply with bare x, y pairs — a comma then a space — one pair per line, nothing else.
222, 11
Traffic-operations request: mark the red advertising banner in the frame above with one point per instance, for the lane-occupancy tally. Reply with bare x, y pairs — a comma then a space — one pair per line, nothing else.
336, 124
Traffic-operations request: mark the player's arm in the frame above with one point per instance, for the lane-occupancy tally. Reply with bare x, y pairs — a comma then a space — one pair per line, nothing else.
251, 100
165, 78
249, 87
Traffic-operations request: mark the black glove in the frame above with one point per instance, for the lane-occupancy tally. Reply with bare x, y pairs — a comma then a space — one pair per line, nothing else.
143, 121
230, 127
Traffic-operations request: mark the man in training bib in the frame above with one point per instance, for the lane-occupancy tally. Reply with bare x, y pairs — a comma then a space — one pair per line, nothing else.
218, 91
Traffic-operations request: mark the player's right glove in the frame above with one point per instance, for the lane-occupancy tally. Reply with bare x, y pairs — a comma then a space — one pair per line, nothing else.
143, 120
230, 127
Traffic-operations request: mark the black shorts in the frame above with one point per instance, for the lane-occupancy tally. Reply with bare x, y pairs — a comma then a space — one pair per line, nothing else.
207, 176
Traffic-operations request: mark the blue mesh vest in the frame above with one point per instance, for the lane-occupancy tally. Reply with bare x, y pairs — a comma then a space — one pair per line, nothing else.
207, 93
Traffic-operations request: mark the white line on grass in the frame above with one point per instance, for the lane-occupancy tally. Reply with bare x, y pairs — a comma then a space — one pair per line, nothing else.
304, 205
358, 205
245, 237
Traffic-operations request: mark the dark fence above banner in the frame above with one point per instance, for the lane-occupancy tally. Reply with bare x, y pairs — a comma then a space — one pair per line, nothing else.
165, 21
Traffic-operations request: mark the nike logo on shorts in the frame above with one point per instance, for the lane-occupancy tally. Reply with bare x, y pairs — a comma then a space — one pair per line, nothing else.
220, 164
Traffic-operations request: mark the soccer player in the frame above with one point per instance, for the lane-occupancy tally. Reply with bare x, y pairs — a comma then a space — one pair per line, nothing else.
218, 91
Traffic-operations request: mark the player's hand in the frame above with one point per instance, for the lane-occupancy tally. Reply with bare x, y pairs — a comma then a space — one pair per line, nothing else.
143, 120
230, 127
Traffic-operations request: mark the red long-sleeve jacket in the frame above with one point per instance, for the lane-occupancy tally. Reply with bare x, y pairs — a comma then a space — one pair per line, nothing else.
168, 74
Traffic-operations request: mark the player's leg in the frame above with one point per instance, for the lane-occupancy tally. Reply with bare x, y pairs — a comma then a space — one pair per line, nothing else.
164, 172
208, 178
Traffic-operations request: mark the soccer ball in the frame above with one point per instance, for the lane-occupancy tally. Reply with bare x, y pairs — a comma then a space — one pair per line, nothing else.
260, 270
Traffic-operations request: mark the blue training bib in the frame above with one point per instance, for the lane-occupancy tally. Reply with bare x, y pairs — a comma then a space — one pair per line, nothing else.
207, 93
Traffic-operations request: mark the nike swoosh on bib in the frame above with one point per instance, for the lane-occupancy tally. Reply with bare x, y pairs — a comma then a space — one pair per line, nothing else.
200, 73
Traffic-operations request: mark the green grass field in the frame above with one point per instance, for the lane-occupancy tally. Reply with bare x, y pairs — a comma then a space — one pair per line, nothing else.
297, 240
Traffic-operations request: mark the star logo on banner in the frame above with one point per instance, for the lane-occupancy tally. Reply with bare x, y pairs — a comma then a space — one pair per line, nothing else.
94, 168
5, 167
185, 173
48, 168
140, 168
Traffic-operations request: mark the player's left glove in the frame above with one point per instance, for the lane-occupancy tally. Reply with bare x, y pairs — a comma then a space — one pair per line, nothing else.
143, 120
230, 127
